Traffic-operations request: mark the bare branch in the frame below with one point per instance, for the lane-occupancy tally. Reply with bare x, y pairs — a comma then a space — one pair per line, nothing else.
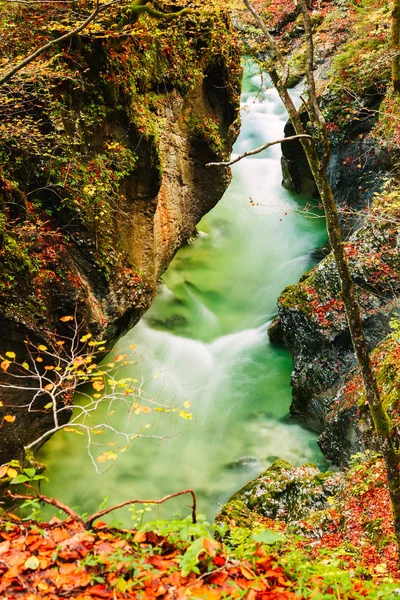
52, 501
101, 513
258, 150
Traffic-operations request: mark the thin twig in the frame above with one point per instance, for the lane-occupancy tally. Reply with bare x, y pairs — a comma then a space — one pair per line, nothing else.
258, 150
71, 513
101, 513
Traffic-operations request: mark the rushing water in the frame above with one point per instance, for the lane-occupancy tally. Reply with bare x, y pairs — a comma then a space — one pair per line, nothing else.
205, 341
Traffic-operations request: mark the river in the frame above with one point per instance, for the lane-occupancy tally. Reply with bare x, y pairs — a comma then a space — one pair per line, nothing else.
204, 342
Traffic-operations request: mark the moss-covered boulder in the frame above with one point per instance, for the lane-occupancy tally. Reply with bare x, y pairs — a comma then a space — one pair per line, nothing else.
282, 492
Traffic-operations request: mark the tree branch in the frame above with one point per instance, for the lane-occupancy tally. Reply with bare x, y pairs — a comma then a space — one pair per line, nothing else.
258, 150
60, 505
99, 8
101, 513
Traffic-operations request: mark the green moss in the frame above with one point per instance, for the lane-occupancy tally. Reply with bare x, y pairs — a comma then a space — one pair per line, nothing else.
297, 66
283, 492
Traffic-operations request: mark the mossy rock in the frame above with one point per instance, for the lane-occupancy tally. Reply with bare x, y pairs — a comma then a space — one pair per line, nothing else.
282, 492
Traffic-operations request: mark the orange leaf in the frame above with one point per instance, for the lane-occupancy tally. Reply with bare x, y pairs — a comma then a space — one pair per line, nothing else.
5, 364
246, 572
210, 546
49, 387
9, 418
119, 357
66, 319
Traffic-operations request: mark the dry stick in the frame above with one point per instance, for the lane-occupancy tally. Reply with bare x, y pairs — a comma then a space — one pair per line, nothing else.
258, 150
101, 513
71, 513
99, 8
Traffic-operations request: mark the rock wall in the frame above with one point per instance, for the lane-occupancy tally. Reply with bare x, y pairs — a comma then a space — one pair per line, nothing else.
312, 322
110, 184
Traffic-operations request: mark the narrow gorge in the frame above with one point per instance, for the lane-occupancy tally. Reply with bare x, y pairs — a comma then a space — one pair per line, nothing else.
171, 329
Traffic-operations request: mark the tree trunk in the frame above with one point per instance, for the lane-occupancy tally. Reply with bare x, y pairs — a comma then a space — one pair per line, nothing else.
395, 46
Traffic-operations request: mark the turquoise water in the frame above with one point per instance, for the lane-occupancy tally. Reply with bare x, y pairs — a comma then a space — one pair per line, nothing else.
204, 342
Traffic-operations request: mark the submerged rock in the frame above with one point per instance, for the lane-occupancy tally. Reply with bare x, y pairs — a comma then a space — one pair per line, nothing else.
242, 463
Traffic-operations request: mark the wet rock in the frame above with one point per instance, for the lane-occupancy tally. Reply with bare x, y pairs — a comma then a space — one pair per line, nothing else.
353, 187
275, 332
315, 330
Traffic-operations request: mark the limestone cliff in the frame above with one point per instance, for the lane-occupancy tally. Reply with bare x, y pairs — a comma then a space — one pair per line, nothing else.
103, 177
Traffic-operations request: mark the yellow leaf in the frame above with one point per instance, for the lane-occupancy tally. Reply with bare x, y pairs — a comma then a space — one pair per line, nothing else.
11, 472
98, 386
96, 396
86, 337
60, 343
10, 354
187, 404
9, 418
1, 404
25, 366
42, 348
5, 364
381, 568
39, 359
3, 472
184, 415
145, 409
32, 563
66, 319
132, 346
156, 375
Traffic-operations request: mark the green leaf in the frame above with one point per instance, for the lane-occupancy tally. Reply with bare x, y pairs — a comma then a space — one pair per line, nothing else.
189, 560
25, 366
19, 479
38, 477
30, 472
266, 536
